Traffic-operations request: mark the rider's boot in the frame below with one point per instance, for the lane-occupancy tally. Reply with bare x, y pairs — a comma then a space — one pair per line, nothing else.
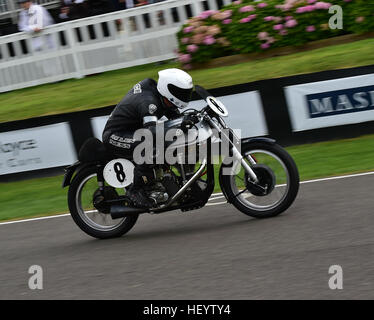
143, 180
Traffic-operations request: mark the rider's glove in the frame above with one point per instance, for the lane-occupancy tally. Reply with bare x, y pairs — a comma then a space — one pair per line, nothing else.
188, 122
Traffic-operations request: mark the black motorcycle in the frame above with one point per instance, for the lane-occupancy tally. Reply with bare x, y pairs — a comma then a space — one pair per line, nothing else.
258, 176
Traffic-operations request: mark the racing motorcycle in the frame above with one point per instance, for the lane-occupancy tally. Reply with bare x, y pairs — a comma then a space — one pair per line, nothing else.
258, 176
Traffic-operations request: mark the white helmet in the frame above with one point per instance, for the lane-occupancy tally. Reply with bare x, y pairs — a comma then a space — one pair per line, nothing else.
176, 86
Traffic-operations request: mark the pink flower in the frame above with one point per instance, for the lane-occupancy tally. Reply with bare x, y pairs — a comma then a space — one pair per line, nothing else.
198, 38
252, 16
206, 14
291, 23
265, 46
309, 8
245, 20
262, 5
360, 19
288, 18
283, 32
269, 18
188, 29
213, 30
192, 48
310, 28
311, 1
185, 40
227, 13
227, 21
185, 58
246, 9
278, 27
209, 40
237, 2
262, 35
322, 5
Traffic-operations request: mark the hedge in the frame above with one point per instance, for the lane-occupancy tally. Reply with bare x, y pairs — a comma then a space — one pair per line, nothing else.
250, 26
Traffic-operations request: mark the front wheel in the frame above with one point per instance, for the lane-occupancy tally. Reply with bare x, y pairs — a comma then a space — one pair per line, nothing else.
277, 186
94, 222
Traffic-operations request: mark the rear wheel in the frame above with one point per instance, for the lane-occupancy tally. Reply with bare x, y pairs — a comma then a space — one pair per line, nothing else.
95, 221
278, 181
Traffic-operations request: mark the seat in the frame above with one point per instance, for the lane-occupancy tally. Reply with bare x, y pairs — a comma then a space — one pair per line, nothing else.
93, 150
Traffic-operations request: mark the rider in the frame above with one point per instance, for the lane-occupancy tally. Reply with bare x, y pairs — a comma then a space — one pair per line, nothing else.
142, 107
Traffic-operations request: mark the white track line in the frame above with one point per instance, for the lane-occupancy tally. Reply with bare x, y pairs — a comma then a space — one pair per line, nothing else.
339, 177
214, 197
36, 219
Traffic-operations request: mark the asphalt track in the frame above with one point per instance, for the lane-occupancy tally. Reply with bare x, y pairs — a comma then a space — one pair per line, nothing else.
212, 253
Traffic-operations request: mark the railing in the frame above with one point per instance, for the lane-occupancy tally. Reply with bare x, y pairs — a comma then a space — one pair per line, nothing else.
4, 6
96, 44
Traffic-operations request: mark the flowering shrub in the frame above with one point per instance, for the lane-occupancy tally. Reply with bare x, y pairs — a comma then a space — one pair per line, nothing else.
247, 26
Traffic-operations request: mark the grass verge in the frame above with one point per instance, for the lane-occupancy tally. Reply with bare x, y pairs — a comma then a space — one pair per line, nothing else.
40, 197
108, 88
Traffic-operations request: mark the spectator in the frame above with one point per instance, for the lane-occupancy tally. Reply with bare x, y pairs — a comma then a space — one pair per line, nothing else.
34, 18
139, 3
117, 5
121, 4
100, 6
73, 9
130, 4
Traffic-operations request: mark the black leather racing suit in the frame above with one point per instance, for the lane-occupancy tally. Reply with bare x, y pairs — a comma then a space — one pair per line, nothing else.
140, 108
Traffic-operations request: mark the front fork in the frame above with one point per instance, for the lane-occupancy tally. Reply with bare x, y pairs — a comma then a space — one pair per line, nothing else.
238, 156
235, 152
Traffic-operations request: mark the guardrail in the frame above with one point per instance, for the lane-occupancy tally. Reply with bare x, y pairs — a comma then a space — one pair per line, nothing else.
96, 44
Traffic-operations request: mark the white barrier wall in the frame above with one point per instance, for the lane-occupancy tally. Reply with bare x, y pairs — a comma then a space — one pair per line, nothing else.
36, 148
331, 103
245, 114
96, 44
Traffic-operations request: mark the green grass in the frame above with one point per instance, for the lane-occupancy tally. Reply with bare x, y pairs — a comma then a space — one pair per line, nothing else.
108, 88
44, 196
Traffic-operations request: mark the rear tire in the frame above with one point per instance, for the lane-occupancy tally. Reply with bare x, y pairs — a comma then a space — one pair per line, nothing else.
285, 202
76, 211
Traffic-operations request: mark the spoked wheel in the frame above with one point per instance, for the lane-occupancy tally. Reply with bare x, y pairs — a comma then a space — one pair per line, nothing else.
277, 186
88, 214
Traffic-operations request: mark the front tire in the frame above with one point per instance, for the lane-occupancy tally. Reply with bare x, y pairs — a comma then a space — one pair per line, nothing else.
93, 222
268, 157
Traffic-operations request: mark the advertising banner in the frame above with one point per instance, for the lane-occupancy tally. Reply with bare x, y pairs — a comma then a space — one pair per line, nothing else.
36, 148
331, 103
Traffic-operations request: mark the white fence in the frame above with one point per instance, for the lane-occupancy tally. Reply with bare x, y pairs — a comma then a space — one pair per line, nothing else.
96, 44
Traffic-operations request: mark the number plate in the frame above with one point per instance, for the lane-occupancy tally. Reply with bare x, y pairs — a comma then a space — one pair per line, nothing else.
217, 106
119, 173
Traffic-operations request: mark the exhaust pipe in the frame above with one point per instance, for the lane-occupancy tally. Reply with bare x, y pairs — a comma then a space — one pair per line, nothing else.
118, 211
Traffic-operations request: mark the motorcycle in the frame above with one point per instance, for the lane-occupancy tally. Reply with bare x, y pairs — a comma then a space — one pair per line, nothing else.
258, 177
